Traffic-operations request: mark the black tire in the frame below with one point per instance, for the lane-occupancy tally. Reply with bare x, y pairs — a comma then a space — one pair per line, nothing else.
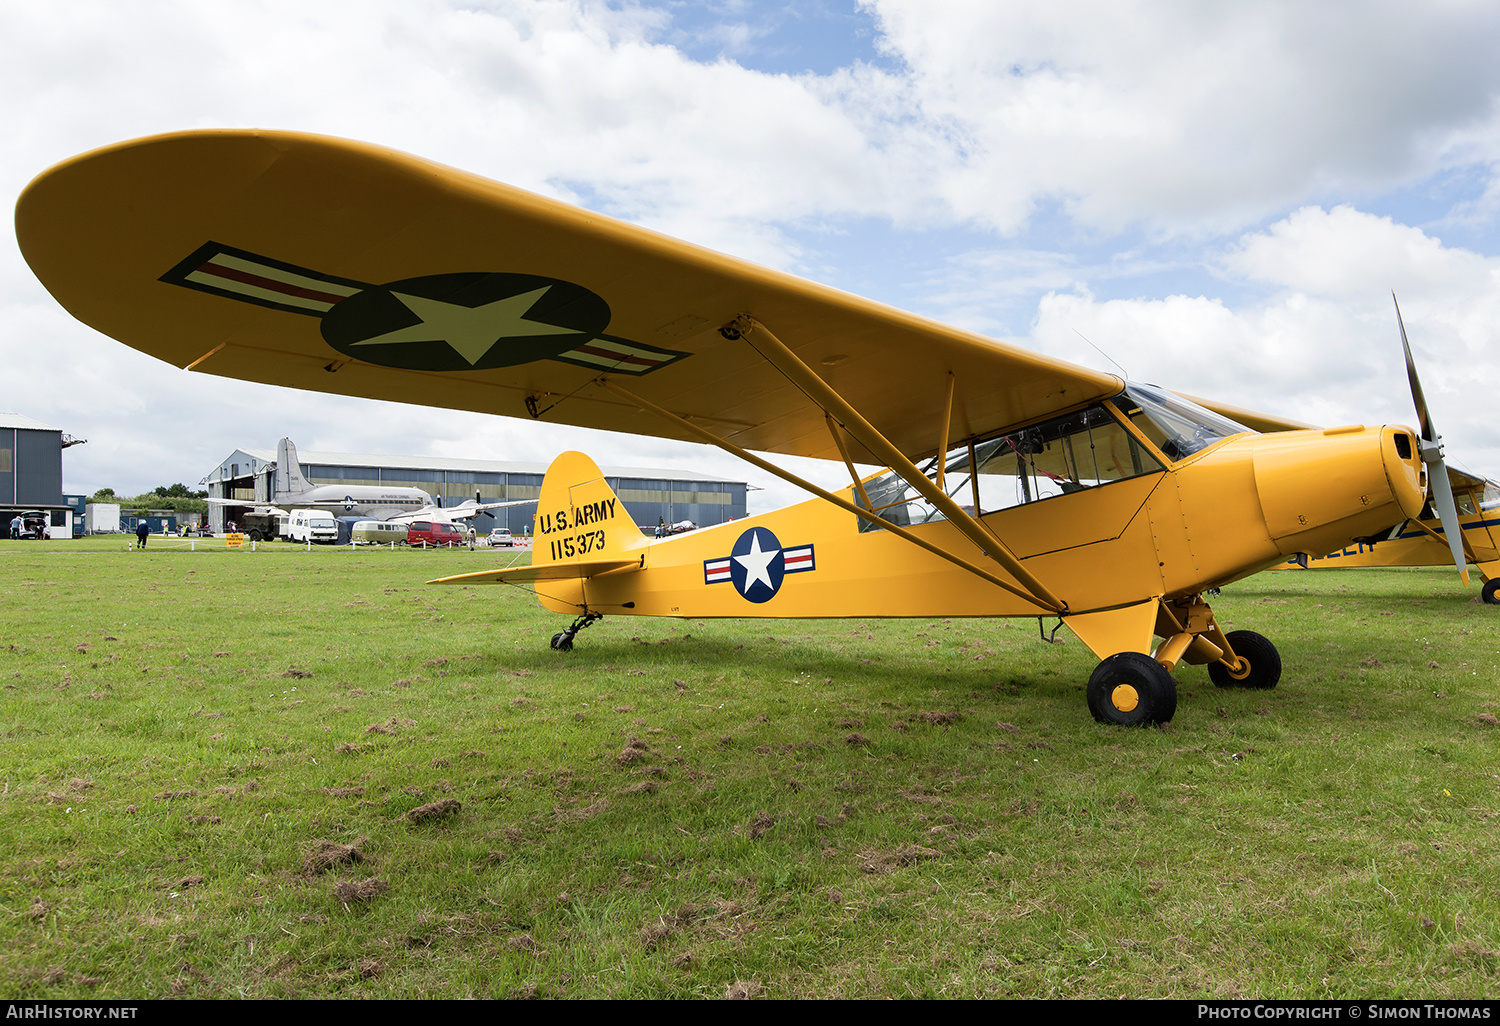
1265, 663
1491, 592
255, 535
1132, 690
561, 642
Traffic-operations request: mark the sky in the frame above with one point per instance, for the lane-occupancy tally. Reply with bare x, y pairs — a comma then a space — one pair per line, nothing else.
1220, 197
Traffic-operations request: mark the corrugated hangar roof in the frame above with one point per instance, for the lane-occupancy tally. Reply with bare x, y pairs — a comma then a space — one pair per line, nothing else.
359, 459
16, 420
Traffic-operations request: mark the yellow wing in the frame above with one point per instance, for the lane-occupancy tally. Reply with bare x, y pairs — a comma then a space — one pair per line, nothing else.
343, 267
1263, 422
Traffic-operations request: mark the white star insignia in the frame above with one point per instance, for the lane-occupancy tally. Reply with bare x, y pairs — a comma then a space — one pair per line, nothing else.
757, 564
471, 330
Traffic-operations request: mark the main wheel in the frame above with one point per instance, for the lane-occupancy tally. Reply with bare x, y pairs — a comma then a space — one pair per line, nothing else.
255, 535
1491, 592
1132, 690
1261, 663
561, 642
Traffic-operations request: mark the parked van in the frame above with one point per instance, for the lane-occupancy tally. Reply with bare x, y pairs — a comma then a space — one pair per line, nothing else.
378, 532
312, 525
433, 533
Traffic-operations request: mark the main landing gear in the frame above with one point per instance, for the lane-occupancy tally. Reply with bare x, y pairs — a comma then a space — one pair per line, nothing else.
1491, 591
562, 641
1132, 689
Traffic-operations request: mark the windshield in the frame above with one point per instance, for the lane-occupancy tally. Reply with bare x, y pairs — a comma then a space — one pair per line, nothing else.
1178, 428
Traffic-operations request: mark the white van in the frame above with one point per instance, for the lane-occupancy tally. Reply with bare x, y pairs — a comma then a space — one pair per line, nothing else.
312, 525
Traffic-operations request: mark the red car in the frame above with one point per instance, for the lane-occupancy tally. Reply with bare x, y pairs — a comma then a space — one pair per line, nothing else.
433, 534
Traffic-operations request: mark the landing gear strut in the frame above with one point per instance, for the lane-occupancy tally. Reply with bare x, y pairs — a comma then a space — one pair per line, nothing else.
1259, 663
562, 641
1131, 688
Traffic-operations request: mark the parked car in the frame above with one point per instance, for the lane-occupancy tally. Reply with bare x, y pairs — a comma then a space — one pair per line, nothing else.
433, 534
501, 537
34, 524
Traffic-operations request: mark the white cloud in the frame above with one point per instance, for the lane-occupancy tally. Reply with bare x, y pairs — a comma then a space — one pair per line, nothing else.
1324, 347
1188, 116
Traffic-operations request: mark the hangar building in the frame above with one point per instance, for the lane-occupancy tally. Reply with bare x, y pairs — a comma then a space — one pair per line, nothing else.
649, 495
31, 472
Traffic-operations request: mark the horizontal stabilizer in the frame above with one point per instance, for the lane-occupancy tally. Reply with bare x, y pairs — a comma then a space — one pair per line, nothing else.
545, 572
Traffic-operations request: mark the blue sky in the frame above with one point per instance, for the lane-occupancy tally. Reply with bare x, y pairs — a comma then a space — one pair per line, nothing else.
1220, 197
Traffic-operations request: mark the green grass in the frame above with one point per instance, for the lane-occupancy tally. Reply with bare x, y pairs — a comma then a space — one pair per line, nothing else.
812, 808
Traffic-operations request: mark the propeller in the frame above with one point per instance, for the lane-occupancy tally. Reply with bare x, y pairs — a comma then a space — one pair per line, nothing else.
1432, 454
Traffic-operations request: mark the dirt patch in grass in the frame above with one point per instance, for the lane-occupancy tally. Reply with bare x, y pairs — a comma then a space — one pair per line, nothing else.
390, 726
579, 813
939, 719
434, 810
762, 822
342, 792
742, 990
326, 855
634, 751
881, 862
348, 891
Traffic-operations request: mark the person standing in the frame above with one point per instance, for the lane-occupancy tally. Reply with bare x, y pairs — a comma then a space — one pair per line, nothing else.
15, 526
142, 531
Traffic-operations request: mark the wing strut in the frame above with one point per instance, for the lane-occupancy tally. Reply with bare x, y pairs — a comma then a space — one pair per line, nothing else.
815, 388
842, 503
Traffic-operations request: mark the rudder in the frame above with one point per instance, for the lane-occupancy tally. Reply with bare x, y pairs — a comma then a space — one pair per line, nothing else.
579, 518
289, 479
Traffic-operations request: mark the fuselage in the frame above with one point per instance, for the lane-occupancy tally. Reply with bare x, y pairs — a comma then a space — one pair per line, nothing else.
1226, 511
357, 501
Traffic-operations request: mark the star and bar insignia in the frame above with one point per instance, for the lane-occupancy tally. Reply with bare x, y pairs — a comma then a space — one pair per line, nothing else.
757, 565
441, 322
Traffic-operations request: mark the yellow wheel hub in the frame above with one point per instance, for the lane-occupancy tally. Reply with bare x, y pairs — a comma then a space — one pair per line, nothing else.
1125, 698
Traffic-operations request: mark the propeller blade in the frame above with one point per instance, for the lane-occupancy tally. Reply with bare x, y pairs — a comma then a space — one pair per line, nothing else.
1432, 454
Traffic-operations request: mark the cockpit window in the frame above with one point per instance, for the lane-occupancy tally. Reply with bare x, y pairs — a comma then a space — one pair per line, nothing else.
1177, 427
1057, 457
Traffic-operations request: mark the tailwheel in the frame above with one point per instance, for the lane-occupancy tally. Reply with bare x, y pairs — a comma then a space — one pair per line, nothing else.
1491, 591
1132, 690
562, 641
1260, 663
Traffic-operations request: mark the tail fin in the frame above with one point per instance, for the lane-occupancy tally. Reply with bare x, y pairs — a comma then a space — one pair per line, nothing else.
582, 532
579, 518
289, 479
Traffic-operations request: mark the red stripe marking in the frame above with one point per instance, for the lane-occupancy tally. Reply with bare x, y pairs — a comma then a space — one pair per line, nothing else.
593, 351
268, 283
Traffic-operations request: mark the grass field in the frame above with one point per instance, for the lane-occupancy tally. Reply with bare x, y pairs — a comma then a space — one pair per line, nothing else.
306, 774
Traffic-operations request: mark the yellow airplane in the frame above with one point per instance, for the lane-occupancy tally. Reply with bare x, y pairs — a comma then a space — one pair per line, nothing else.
1019, 485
